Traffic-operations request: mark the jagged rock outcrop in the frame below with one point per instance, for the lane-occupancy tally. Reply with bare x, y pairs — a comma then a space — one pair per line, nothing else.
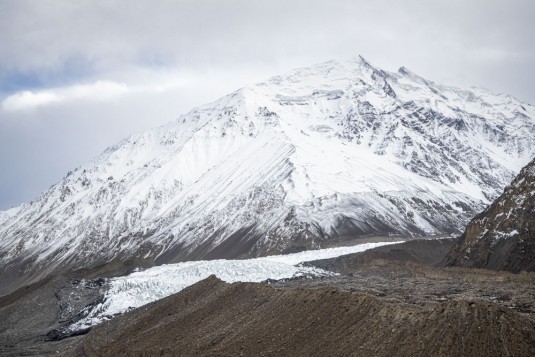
502, 237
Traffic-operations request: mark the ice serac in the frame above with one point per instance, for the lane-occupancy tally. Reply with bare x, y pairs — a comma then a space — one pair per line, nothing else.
502, 237
337, 149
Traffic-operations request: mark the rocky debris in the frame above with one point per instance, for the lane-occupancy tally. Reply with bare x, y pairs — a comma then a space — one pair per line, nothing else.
27, 316
33, 319
216, 318
75, 300
387, 301
502, 237
404, 273
424, 251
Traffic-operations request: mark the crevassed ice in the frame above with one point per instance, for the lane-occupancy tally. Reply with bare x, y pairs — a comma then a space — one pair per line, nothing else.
143, 287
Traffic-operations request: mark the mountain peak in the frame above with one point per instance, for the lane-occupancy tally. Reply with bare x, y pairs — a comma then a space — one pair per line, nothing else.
326, 151
363, 60
404, 71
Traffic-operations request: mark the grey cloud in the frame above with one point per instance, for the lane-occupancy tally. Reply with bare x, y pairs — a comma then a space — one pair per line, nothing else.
108, 34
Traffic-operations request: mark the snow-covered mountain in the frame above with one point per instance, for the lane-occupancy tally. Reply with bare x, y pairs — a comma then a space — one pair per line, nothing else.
337, 149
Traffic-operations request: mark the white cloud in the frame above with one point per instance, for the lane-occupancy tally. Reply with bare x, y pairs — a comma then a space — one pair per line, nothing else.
99, 90
135, 82
28, 99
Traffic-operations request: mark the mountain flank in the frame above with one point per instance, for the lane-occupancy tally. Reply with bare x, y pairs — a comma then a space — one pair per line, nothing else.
336, 150
502, 237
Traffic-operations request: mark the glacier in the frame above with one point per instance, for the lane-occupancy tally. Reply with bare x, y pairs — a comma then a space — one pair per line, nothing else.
140, 288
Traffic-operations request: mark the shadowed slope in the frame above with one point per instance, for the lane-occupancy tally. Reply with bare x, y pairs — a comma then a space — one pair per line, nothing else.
502, 237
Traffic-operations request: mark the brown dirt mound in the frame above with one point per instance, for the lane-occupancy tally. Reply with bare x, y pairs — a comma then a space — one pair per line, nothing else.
213, 318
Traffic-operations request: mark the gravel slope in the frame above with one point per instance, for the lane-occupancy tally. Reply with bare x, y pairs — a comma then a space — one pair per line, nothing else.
220, 319
387, 301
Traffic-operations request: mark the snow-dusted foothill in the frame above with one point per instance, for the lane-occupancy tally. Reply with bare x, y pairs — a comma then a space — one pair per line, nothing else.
334, 150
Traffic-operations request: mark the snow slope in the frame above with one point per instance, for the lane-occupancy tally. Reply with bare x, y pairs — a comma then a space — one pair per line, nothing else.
337, 149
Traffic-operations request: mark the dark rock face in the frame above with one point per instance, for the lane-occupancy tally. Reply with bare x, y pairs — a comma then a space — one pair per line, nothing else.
502, 237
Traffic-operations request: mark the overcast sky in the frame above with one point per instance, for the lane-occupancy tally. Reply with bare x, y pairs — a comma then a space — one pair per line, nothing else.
77, 76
